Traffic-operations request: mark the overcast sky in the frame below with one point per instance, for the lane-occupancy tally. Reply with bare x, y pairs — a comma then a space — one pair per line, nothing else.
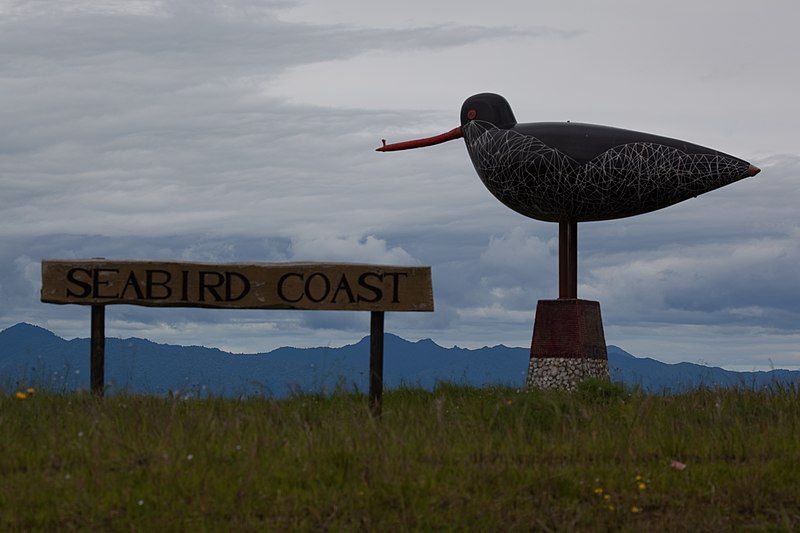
244, 131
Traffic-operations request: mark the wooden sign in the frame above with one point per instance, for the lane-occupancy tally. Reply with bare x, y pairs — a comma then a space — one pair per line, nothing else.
324, 286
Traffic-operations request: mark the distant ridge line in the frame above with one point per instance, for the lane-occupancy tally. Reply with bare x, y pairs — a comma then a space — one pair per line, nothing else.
33, 354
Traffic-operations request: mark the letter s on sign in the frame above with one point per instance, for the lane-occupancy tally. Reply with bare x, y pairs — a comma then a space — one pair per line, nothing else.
87, 288
281, 281
375, 289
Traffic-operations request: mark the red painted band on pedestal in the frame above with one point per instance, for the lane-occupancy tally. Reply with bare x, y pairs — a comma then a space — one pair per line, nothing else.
568, 328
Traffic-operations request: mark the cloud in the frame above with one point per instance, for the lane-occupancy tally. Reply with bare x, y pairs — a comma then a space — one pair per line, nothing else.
517, 254
738, 282
349, 249
156, 120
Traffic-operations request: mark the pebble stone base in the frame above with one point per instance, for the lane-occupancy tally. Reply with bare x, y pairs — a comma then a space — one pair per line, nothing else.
564, 373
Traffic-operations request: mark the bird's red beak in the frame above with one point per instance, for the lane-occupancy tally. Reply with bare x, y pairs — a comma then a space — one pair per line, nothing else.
455, 133
752, 171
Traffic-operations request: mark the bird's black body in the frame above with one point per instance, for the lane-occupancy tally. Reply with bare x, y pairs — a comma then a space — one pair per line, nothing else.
564, 171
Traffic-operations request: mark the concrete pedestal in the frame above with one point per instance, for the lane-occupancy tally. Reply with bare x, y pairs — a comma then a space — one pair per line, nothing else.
568, 344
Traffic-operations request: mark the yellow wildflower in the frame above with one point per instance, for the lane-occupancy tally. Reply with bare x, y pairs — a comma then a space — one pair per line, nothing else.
638, 478
610, 507
606, 497
642, 485
635, 509
30, 390
598, 490
21, 395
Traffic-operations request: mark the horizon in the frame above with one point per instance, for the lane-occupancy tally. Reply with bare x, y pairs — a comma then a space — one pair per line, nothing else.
245, 131
365, 338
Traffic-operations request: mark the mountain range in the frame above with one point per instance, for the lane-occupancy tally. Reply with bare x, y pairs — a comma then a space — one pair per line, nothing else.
34, 356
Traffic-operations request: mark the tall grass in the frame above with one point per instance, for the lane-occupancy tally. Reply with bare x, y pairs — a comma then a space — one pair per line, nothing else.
457, 457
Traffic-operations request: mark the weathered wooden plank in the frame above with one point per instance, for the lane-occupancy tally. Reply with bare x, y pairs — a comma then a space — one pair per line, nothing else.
320, 286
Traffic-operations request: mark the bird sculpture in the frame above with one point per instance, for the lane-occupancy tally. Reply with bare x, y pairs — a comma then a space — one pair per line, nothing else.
568, 172
573, 172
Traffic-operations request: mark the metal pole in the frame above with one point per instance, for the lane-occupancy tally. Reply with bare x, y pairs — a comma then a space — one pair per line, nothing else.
98, 349
376, 362
567, 260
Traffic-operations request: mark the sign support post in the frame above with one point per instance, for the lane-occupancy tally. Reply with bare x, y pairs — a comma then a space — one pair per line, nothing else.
567, 260
98, 350
376, 362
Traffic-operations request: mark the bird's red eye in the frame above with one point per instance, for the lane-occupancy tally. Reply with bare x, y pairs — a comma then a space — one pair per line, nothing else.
471, 114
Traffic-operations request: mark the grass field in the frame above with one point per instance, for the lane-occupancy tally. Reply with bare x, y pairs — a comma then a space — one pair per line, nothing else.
487, 459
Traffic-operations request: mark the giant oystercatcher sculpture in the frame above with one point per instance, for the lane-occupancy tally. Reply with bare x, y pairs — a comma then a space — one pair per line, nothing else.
570, 172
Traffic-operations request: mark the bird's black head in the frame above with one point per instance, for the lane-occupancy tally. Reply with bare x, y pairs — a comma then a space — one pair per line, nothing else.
488, 107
